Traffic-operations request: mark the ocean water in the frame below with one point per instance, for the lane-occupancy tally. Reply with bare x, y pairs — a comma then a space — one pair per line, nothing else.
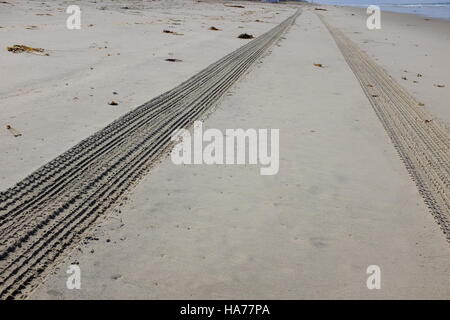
439, 10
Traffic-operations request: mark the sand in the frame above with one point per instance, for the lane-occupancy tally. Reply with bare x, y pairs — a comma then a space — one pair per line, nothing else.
406, 46
58, 100
342, 200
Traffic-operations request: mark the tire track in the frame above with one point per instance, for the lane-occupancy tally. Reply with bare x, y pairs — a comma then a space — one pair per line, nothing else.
59, 167
75, 171
422, 141
47, 213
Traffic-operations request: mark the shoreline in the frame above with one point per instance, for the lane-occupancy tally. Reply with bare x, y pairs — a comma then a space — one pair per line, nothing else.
364, 7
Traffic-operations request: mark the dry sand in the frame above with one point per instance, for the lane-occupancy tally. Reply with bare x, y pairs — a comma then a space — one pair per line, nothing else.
406, 46
342, 199
58, 100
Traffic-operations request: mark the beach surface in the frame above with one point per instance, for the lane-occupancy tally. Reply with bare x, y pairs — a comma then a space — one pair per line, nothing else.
341, 201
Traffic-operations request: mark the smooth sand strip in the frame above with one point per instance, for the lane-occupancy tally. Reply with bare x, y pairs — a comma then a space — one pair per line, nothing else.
341, 201
422, 142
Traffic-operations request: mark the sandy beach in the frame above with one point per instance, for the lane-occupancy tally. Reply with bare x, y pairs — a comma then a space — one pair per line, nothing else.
349, 193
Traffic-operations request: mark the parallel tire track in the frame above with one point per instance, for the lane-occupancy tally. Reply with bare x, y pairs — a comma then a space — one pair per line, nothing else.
46, 213
422, 142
